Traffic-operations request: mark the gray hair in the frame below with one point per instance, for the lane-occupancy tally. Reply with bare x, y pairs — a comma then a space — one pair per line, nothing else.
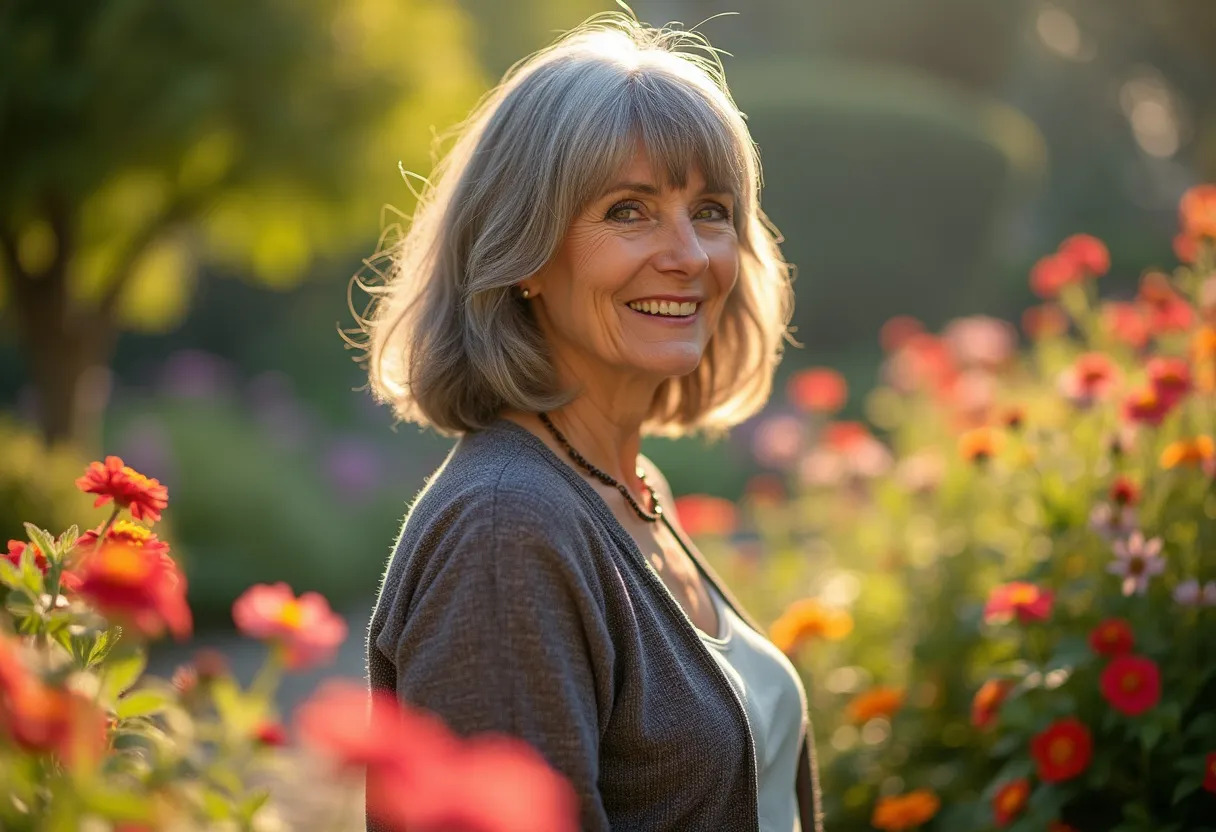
449, 345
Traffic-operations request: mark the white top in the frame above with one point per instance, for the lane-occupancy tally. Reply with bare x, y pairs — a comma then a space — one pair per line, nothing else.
775, 700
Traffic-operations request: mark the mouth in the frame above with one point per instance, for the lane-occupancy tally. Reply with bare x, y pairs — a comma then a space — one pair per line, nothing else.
674, 311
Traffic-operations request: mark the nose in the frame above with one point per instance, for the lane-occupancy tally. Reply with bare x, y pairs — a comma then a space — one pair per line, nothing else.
681, 251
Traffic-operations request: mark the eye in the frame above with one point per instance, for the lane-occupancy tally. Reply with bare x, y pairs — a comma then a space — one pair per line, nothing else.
620, 211
712, 211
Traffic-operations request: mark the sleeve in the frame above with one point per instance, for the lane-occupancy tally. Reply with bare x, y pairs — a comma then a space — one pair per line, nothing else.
503, 636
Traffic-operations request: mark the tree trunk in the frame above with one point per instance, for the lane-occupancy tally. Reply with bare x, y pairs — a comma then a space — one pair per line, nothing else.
68, 348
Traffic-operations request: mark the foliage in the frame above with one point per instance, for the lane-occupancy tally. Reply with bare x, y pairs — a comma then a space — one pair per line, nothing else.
88, 741
1026, 556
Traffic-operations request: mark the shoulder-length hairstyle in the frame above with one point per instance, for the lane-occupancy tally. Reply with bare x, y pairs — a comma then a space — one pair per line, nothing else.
450, 346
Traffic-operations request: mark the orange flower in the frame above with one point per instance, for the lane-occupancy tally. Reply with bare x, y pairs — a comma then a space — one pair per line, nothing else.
1199, 451
818, 390
701, 514
808, 618
1045, 321
138, 586
1186, 248
306, 628
878, 701
981, 444
987, 701
1197, 211
1203, 353
895, 814
42, 719
144, 496
1010, 800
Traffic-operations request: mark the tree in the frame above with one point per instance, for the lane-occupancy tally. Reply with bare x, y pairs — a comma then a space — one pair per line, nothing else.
142, 139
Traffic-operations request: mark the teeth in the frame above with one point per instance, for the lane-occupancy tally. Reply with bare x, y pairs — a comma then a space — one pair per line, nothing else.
662, 307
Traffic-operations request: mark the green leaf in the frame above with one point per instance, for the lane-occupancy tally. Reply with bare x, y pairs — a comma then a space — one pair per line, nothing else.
250, 805
19, 603
103, 645
10, 575
1186, 787
116, 805
121, 674
43, 540
143, 702
1150, 734
68, 539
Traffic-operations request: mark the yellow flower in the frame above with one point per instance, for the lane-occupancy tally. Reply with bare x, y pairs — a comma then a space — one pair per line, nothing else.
877, 701
895, 814
809, 618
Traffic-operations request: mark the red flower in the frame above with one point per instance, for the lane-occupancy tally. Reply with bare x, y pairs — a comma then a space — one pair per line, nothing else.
987, 701
1046, 321
1125, 322
1197, 211
1062, 751
1010, 800
270, 733
1186, 248
422, 777
1027, 601
818, 390
1124, 492
17, 547
126, 532
1051, 274
1059, 826
1092, 376
145, 497
1170, 377
1144, 406
1167, 310
1112, 637
702, 514
1088, 254
1209, 773
897, 331
923, 361
141, 587
1131, 684
306, 628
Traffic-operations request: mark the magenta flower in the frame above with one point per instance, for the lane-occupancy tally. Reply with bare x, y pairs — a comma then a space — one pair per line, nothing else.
1137, 560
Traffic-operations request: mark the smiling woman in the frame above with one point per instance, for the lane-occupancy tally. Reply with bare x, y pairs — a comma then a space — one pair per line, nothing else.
590, 263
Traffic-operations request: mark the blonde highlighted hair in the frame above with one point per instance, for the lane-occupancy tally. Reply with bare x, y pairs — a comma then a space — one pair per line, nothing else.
448, 345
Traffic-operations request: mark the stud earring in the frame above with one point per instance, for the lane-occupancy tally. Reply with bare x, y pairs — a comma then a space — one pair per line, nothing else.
524, 293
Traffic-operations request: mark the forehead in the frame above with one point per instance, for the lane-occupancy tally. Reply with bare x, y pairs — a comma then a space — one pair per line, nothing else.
640, 168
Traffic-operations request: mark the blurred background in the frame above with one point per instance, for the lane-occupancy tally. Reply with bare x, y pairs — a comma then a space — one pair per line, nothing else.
187, 188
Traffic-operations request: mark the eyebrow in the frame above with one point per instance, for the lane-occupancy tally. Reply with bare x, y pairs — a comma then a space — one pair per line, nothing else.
652, 190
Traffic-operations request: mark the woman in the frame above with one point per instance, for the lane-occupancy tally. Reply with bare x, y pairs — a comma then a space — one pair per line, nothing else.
589, 263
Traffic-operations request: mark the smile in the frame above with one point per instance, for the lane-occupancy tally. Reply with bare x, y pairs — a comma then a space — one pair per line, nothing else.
665, 309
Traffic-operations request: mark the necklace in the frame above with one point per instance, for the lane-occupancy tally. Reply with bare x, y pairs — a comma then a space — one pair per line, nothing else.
607, 479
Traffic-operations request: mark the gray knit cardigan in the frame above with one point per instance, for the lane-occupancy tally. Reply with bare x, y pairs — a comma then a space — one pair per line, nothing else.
516, 602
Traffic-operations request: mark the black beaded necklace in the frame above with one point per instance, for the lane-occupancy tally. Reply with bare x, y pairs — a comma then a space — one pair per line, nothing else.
607, 479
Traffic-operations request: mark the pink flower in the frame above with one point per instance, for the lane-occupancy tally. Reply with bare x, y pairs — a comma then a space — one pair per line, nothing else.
1137, 560
306, 628
1191, 594
423, 777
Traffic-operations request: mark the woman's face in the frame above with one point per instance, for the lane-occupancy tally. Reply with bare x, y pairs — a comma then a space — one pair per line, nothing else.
637, 251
